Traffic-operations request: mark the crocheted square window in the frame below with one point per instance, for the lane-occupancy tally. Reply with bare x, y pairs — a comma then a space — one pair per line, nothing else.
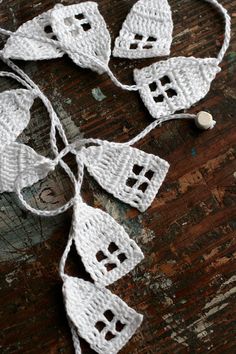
48, 30
142, 42
110, 326
78, 19
162, 89
83, 21
112, 258
140, 178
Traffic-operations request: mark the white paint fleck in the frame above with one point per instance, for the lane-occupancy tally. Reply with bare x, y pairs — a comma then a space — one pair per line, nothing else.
38, 4
202, 326
68, 100
217, 304
168, 301
13, 16
220, 297
229, 281
11, 277
146, 236
174, 325
98, 94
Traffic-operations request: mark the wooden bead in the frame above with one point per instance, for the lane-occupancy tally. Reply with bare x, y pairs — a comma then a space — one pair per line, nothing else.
204, 120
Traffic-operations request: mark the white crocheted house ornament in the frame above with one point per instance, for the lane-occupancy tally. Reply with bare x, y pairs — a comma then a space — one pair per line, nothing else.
99, 316
78, 30
18, 46
14, 113
83, 33
129, 174
146, 32
175, 84
105, 248
18, 163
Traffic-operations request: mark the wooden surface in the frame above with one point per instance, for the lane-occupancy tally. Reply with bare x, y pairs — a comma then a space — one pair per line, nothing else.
186, 286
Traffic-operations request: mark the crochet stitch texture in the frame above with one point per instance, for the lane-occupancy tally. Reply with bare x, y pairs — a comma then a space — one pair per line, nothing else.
129, 174
146, 32
105, 248
99, 316
104, 320
175, 84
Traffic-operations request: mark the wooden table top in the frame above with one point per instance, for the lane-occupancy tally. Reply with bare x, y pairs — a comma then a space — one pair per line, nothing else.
186, 286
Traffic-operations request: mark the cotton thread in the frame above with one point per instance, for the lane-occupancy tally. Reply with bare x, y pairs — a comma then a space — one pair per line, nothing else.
130, 174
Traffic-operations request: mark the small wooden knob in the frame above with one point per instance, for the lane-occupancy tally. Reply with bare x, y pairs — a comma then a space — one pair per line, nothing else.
204, 120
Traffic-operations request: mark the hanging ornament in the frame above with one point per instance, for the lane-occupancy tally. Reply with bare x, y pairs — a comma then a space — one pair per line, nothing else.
20, 47
101, 318
82, 31
175, 84
14, 114
146, 32
18, 164
105, 248
129, 174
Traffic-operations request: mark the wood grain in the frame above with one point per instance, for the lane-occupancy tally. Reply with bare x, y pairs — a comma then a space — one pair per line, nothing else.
186, 286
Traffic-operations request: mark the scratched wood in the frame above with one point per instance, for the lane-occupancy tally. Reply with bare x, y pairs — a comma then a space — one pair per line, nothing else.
186, 286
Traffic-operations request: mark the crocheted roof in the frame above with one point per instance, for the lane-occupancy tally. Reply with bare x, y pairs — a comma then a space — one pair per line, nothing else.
129, 174
146, 32
83, 33
78, 30
20, 47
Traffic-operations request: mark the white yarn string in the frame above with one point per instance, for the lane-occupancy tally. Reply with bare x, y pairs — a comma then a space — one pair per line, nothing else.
54, 118
100, 64
95, 60
76, 182
65, 256
77, 199
46, 213
17, 78
73, 148
158, 122
79, 146
66, 252
75, 338
227, 35
29, 84
55, 121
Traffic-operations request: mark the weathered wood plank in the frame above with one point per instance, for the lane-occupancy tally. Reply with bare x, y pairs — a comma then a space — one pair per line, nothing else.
186, 286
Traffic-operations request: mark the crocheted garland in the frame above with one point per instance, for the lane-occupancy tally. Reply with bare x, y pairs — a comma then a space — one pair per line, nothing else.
130, 175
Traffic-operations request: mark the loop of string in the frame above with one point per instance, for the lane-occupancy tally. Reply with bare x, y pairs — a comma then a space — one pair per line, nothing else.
23, 79
78, 145
76, 200
75, 337
56, 124
77, 148
158, 122
227, 35
77, 183
106, 68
